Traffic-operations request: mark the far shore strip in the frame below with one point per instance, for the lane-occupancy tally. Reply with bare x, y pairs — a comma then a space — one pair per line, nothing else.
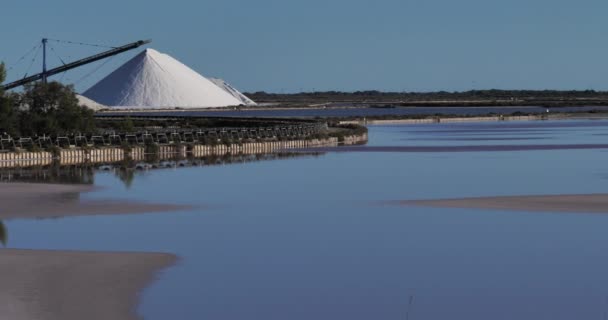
575, 203
462, 148
34, 200
66, 285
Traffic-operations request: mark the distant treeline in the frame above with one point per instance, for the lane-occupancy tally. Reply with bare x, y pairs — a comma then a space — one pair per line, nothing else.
500, 96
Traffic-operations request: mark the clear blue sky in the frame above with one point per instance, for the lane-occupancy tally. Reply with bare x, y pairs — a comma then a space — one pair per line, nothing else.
286, 46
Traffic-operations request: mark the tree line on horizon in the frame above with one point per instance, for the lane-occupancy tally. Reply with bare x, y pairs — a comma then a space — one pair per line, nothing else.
42, 109
490, 94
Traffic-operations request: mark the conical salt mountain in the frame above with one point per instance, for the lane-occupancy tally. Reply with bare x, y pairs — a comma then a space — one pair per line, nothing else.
233, 91
156, 80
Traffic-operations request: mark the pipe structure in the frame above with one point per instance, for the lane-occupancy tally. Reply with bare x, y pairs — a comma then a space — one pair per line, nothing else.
45, 74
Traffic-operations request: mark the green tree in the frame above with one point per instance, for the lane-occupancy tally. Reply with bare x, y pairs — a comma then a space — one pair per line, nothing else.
51, 109
2, 77
126, 125
3, 234
8, 112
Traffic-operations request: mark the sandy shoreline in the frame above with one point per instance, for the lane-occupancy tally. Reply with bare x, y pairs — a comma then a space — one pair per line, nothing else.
32, 200
579, 203
49, 285
70, 285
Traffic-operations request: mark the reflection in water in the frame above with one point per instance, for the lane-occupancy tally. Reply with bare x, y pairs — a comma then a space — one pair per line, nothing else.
54, 173
125, 175
126, 170
33, 201
3, 234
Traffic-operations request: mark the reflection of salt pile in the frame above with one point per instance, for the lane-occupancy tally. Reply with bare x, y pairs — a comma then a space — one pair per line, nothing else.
156, 80
232, 91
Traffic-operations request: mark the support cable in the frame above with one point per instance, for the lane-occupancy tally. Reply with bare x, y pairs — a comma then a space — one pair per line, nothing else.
81, 43
77, 82
55, 52
23, 57
33, 60
62, 76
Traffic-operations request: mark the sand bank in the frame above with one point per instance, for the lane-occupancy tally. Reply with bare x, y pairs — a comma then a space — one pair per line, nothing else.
29, 200
37, 284
583, 203
62, 285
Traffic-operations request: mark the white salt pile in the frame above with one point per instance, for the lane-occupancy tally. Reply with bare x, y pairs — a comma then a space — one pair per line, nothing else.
88, 103
233, 91
156, 80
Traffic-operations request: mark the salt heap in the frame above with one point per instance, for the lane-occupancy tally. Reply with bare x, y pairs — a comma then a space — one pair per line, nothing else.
90, 104
156, 80
233, 91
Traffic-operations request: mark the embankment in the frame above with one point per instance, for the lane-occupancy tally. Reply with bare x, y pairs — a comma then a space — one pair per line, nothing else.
112, 154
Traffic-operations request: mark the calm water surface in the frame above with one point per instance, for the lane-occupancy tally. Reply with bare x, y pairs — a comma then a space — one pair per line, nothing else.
306, 238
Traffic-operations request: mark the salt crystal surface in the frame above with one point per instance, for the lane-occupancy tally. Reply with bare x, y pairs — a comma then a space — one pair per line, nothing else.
233, 91
88, 103
156, 80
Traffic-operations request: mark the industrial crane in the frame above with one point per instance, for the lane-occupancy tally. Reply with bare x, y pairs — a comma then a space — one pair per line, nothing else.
47, 73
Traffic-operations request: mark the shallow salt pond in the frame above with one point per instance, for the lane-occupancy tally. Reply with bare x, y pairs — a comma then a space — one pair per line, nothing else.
309, 237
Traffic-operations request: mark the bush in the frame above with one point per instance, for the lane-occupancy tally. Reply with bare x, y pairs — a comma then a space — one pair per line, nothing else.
227, 141
55, 151
152, 148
